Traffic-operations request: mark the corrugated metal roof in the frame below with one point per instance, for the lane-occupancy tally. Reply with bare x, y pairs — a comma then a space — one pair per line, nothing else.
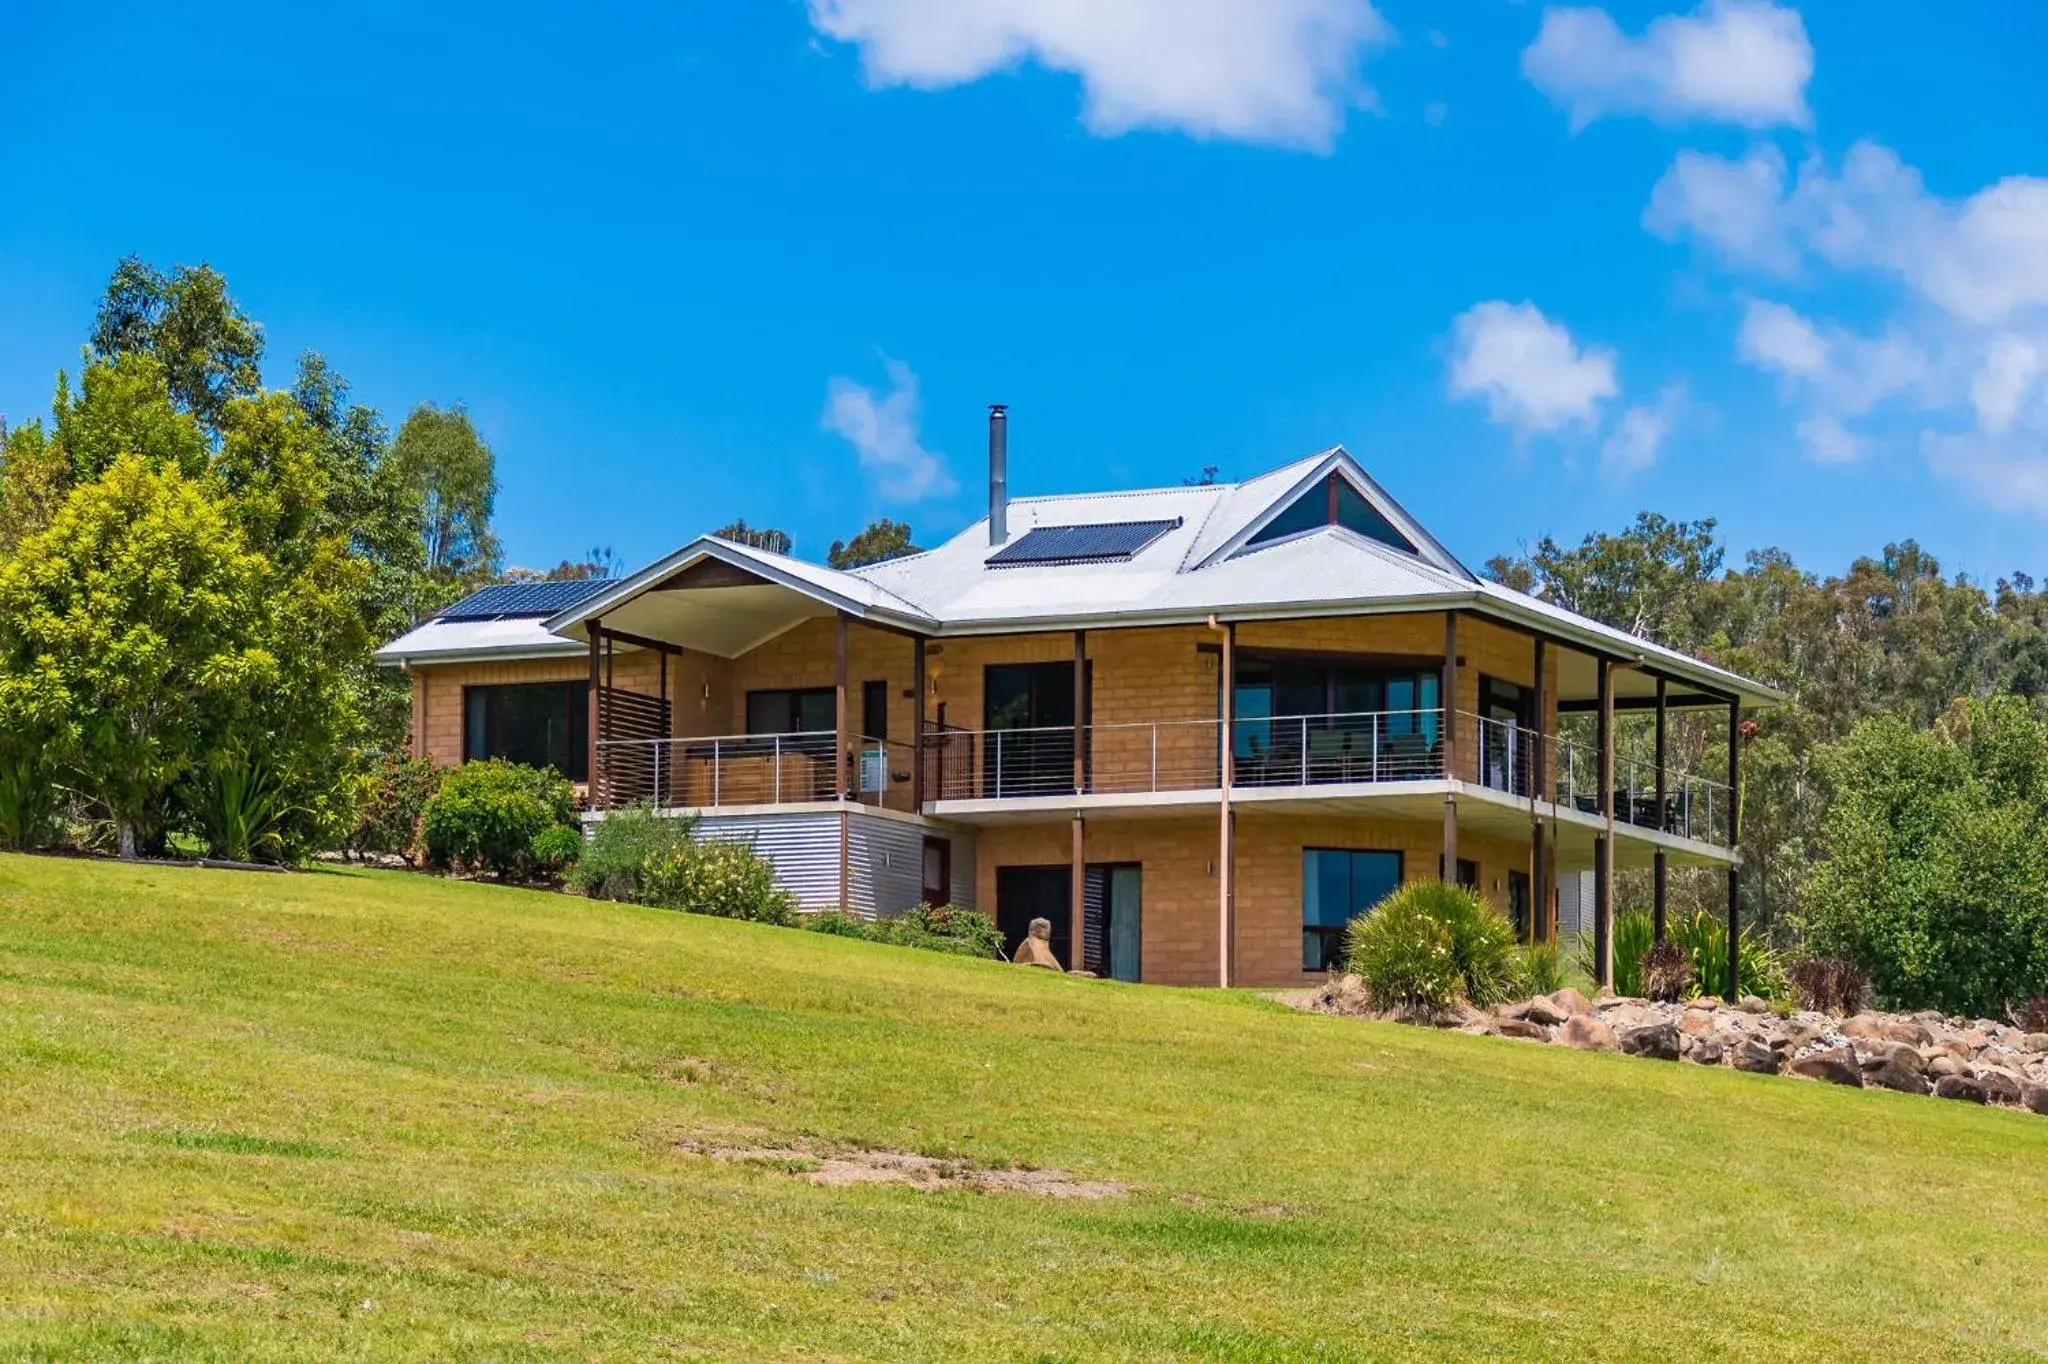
1192, 561
441, 639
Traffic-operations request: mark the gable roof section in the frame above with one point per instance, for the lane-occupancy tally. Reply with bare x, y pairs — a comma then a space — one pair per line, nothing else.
1258, 502
829, 587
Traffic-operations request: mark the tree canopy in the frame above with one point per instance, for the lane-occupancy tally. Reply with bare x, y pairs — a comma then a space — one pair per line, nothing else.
881, 540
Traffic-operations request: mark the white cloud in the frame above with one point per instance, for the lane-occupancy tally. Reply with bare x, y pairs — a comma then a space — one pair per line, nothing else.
1957, 362
1844, 373
2008, 383
1274, 71
1981, 260
1638, 438
884, 432
1775, 337
1828, 441
1732, 206
1734, 61
1531, 373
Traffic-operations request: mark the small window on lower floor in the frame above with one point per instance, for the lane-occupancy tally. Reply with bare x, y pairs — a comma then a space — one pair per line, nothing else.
1338, 885
541, 724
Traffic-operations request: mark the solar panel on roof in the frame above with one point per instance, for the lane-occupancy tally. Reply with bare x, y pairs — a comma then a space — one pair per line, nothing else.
510, 601
1106, 542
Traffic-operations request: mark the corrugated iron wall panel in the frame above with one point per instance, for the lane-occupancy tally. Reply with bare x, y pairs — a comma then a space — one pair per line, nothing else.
804, 849
885, 865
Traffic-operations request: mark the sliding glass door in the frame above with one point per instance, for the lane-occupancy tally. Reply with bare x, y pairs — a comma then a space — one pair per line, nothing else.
1320, 722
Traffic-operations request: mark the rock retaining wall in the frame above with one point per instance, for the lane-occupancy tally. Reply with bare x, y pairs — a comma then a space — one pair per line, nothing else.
1924, 1053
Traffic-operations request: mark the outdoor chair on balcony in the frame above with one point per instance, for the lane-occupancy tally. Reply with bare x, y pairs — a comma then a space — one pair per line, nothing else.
1407, 757
1329, 756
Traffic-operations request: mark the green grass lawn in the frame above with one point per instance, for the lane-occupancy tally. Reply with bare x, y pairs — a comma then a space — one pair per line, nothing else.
376, 1114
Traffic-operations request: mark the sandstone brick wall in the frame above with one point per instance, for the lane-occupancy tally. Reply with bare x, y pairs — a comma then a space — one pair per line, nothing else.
1178, 855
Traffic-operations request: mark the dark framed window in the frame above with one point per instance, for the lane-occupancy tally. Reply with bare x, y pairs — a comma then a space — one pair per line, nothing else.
541, 724
805, 710
874, 709
1333, 502
1468, 874
1338, 885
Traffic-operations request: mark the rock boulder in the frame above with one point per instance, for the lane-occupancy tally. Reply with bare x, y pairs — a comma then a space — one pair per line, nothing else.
1836, 1065
1587, 1033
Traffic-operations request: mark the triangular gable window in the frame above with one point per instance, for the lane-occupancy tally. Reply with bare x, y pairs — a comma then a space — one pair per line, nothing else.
1334, 502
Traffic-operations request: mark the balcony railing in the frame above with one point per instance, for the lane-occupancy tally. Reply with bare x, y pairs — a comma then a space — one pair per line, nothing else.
1183, 755
713, 771
1693, 807
1163, 756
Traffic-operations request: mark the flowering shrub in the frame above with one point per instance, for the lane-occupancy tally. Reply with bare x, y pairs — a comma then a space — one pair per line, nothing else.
719, 878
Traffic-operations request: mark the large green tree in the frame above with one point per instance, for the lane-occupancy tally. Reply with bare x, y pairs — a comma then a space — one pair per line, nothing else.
1933, 874
127, 627
210, 350
445, 465
880, 541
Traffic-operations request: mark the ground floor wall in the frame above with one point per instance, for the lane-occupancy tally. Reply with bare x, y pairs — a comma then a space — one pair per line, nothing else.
1178, 857
884, 856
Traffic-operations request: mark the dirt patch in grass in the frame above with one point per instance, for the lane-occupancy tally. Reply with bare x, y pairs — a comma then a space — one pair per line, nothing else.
841, 1168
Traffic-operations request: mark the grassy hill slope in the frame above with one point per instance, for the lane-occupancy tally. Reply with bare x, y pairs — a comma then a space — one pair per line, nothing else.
246, 1115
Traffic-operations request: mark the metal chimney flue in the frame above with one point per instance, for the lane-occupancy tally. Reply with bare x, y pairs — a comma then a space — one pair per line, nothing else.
998, 474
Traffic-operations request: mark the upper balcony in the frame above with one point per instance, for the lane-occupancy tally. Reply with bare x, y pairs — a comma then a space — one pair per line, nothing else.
1358, 753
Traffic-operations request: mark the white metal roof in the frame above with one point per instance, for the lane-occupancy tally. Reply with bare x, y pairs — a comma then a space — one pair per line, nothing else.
447, 641
1203, 566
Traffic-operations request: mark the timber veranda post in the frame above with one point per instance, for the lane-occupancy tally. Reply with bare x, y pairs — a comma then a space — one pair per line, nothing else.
1077, 874
1734, 833
1449, 699
1660, 872
1603, 844
1225, 831
839, 752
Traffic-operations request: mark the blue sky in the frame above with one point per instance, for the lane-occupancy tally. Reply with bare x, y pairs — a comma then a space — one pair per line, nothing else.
1538, 267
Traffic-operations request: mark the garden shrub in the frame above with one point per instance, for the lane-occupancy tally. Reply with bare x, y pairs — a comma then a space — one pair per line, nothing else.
28, 802
1705, 935
834, 924
1544, 971
391, 798
1429, 945
621, 845
1830, 985
1666, 972
720, 878
556, 847
486, 814
968, 932
243, 809
1635, 932
934, 928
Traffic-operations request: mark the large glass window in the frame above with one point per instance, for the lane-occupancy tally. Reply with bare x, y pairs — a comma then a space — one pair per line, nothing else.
1338, 885
1336, 717
811, 710
541, 724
